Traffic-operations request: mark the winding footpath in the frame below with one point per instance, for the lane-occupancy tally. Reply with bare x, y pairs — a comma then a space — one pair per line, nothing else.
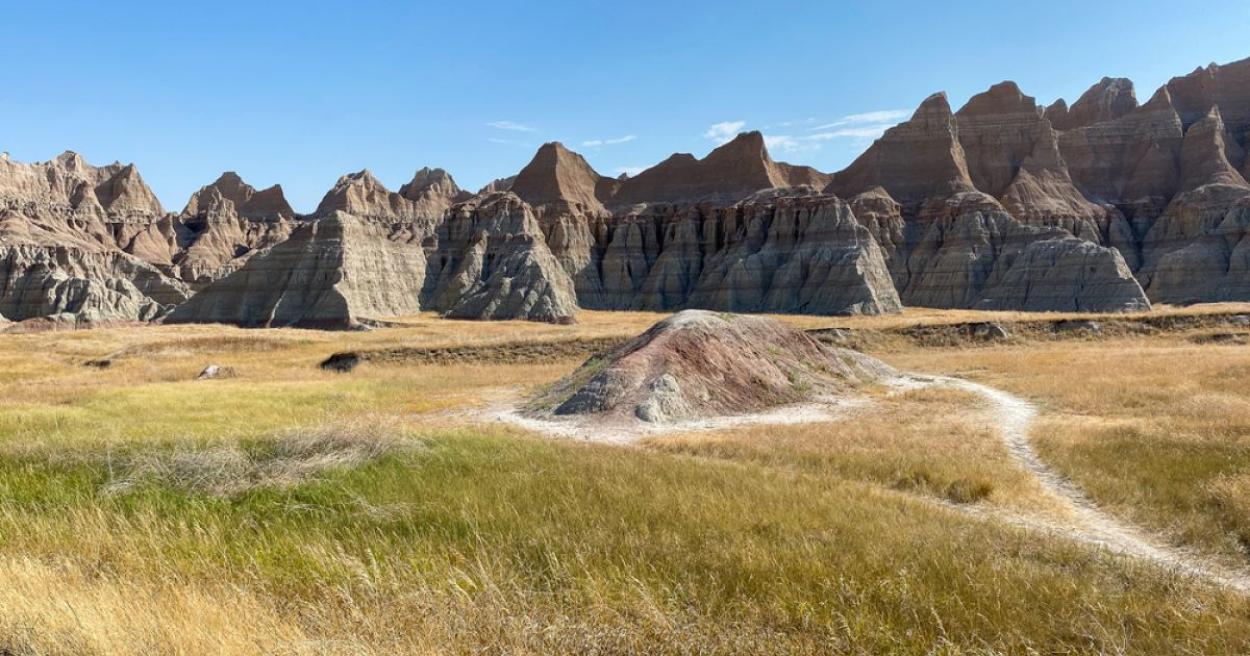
1093, 526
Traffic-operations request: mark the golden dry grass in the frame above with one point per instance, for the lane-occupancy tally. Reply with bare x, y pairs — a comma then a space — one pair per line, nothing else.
1156, 428
801, 539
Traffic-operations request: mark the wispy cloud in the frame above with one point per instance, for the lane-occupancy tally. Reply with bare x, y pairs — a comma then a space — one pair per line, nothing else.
790, 124
869, 132
509, 142
724, 132
631, 171
595, 143
881, 117
511, 126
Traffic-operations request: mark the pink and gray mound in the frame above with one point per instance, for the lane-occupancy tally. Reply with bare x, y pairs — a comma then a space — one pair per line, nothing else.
698, 365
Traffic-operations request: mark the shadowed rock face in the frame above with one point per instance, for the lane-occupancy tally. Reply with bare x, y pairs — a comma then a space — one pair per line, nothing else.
494, 264
803, 255
223, 225
973, 254
699, 365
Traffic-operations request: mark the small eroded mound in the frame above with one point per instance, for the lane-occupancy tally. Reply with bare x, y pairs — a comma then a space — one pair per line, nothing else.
699, 365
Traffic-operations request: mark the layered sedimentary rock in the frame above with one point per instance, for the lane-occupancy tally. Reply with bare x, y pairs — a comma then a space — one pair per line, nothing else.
726, 233
63, 225
485, 260
335, 272
972, 253
432, 192
698, 365
493, 263
1107, 100
562, 179
222, 225
793, 255
729, 173
1002, 204
913, 161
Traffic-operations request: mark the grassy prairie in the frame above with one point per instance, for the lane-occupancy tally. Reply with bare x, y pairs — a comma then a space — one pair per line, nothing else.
291, 510
1155, 428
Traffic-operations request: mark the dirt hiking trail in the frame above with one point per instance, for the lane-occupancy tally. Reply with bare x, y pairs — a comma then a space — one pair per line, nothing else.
1013, 416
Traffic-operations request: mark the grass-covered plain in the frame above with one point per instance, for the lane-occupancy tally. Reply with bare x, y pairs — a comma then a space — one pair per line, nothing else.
291, 510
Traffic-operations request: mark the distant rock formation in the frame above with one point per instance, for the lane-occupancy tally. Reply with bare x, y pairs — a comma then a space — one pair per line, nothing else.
493, 263
914, 161
1104, 205
805, 255
335, 273
1108, 100
222, 225
728, 174
63, 225
340, 271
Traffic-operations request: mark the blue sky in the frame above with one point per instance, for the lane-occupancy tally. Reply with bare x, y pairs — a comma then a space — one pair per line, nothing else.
300, 93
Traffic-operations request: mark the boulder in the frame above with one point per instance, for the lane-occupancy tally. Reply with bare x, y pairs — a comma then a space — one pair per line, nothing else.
213, 372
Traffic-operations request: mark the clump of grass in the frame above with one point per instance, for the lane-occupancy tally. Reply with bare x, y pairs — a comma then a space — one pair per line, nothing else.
285, 460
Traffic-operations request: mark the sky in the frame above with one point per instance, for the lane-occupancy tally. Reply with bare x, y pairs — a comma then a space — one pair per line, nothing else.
300, 93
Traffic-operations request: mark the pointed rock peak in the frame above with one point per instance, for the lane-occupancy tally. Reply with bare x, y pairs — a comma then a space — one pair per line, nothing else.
677, 158
936, 105
428, 180
745, 146
432, 192
1109, 99
268, 203
498, 184
71, 161
363, 175
126, 192
1162, 99
1002, 98
229, 179
1207, 154
913, 161
558, 175
1212, 122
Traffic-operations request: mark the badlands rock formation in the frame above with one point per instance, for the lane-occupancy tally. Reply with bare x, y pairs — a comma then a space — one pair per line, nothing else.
698, 365
64, 225
493, 263
326, 275
224, 224
487, 260
1103, 205
713, 242
729, 173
